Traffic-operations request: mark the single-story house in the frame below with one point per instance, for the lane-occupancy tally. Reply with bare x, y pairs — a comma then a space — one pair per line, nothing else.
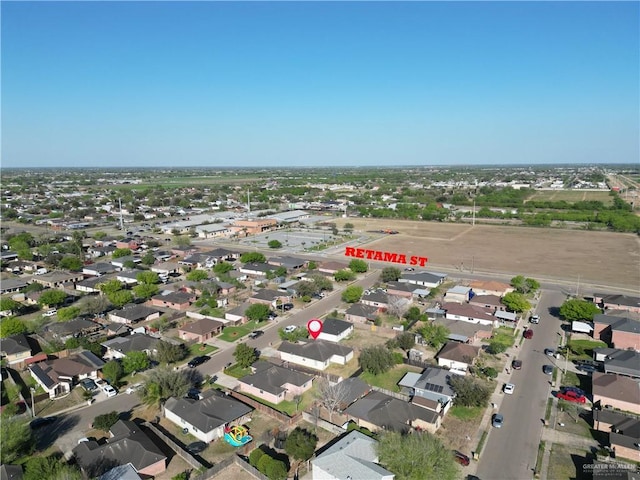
18, 348
206, 418
120, 262
12, 285
378, 299
424, 279
58, 376
317, 354
469, 313
332, 267
623, 431
98, 269
361, 313
622, 362
174, 300
618, 391
138, 342
490, 302
128, 444
459, 293
269, 297
617, 302
133, 314
213, 230
618, 332
290, 263
377, 411
201, 330
128, 277
334, 330
57, 279
273, 383
463, 331
166, 268
257, 269
92, 284
354, 453
237, 314
402, 289
432, 383
490, 287
458, 357
78, 327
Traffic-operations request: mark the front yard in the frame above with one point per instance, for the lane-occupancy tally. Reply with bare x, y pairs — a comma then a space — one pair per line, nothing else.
389, 380
568, 462
231, 334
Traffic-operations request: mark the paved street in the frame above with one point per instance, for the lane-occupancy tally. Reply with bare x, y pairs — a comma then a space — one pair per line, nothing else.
511, 451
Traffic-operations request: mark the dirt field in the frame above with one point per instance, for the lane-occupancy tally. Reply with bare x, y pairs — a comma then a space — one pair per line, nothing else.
592, 258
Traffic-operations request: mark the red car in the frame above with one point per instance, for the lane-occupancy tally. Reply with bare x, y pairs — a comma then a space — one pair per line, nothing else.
461, 458
528, 334
571, 396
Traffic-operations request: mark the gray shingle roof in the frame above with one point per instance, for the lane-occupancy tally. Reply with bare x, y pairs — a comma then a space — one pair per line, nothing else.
15, 344
135, 313
334, 326
318, 350
136, 342
208, 413
271, 378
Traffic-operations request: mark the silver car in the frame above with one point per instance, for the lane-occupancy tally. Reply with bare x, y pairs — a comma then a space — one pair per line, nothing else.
497, 420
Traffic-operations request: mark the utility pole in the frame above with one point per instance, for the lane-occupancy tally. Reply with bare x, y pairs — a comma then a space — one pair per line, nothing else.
473, 221
121, 219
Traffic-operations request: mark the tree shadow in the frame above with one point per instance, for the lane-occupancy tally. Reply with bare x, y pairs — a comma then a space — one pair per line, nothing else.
283, 457
46, 437
554, 311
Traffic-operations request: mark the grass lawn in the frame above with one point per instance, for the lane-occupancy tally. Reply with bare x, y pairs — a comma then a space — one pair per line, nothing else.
231, 334
466, 413
567, 462
388, 380
583, 349
568, 413
570, 379
237, 371
504, 336
197, 350
287, 406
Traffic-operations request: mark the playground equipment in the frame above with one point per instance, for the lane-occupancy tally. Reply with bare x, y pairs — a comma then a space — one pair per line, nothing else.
237, 435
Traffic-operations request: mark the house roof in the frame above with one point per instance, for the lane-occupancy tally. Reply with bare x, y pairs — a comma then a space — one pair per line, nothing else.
271, 378
378, 297
11, 472
174, 297
354, 453
258, 267
388, 412
462, 329
136, 342
15, 344
129, 444
12, 283
334, 326
210, 412
134, 313
361, 310
50, 372
121, 472
624, 324
402, 286
458, 352
505, 315
72, 326
458, 290
624, 362
610, 385
626, 300
355, 388
431, 379
318, 350
493, 300
468, 310
490, 285
202, 326
268, 294
422, 277
287, 262
332, 265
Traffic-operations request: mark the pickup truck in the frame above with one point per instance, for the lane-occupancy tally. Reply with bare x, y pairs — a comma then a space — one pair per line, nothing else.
571, 396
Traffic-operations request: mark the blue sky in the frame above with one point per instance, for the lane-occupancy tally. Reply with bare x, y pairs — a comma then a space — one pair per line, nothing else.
230, 84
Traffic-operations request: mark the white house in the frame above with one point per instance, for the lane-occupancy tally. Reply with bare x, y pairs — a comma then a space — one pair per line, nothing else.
457, 357
334, 330
316, 354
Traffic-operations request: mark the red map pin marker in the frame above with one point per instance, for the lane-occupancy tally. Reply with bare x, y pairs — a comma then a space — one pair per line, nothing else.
315, 327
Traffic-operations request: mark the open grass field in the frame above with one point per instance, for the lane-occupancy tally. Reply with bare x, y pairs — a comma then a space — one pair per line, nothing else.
593, 258
571, 196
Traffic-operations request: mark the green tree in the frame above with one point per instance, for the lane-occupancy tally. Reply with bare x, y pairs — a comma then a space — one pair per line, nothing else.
245, 355
68, 313
120, 298
71, 263
164, 382
496, 346
253, 257
197, 275
52, 467
516, 302
469, 391
9, 304
274, 244
222, 268
418, 456
413, 314
52, 298
348, 227
406, 340
12, 326
390, 274
167, 352
358, 266
257, 312
148, 277
148, 259
17, 439
135, 361
145, 290
524, 285
300, 444
100, 235
276, 470
352, 294
376, 359
111, 286
255, 456
344, 275
121, 252
434, 334
105, 421
113, 371
577, 309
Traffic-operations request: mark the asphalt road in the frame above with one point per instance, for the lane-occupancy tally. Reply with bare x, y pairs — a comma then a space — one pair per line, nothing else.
511, 451
71, 427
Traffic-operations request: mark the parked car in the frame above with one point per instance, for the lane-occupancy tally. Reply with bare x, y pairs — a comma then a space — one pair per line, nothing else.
133, 388
88, 384
547, 369
577, 390
587, 368
287, 306
50, 313
535, 319
110, 391
256, 334
528, 334
193, 394
508, 388
549, 351
571, 396
196, 447
290, 329
497, 420
516, 364
461, 458
41, 421
409, 269
194, 362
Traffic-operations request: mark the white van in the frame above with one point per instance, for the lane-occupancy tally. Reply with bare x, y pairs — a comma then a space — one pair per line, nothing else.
50, 313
